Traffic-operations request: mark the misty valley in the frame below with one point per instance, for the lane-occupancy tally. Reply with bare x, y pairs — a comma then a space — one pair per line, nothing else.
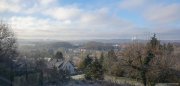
89, 42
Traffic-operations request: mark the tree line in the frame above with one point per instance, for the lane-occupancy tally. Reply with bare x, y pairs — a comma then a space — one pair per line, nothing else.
150, 63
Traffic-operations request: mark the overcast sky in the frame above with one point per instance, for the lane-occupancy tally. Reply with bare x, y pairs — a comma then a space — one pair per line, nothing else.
92, 19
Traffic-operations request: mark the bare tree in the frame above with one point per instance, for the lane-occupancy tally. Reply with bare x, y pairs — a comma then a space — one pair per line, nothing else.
41, 66
7, 51
151, 60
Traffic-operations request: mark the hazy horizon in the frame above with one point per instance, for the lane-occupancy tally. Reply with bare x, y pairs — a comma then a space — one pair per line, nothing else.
87, 20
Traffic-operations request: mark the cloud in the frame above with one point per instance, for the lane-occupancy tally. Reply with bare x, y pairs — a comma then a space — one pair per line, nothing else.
131, 4
49, 19
32, 27
154, 12
170, 34
10, 6
47, 2
26, 6
162, 14
63, 13
92, 24
29, 23
102, 20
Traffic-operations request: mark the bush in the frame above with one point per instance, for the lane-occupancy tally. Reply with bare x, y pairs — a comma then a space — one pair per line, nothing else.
117, 70
58, 76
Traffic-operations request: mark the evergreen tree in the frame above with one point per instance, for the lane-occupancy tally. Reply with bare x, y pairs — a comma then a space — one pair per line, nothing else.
101, 58
94, 71
153, 47
87, 61
110, 60
59, 55
112, 56
145, 66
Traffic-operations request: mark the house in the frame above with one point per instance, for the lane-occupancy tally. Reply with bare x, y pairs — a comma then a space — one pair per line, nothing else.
68, 65
65, 65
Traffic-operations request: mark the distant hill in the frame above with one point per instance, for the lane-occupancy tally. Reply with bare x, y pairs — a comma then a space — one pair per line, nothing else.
97, 45
46, 43
110, 41
94, 43
170, 41
55, 45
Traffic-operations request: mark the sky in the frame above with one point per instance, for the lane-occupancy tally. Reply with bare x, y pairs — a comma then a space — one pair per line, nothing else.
92, 19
